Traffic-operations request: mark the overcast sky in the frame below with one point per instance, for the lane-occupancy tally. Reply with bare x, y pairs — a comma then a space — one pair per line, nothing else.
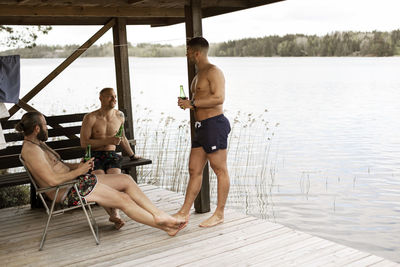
290, 16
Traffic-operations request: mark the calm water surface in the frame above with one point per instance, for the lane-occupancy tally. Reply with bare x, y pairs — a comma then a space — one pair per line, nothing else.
315, 146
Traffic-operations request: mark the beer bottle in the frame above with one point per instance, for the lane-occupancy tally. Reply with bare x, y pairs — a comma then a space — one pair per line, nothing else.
88, 154
182, 93
120, 131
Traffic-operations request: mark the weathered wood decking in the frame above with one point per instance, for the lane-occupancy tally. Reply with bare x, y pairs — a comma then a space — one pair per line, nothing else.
241, 241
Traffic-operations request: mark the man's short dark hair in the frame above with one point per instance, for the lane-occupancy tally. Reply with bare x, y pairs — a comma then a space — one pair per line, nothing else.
28, 122
198, 43
105, 90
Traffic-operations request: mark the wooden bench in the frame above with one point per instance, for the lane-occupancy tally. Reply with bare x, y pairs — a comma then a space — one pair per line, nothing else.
63, 137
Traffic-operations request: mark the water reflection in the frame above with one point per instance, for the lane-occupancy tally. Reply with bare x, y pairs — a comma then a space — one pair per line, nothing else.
347, 208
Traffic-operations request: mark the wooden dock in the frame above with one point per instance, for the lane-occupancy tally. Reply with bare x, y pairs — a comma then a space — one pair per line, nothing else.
241, 241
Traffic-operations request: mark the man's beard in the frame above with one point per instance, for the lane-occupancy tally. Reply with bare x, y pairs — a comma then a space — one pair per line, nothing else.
42, 135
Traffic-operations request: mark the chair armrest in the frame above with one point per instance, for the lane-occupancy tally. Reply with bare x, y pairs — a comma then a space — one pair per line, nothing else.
51, 188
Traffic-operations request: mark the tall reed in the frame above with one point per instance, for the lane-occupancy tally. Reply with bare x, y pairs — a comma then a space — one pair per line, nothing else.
251, 166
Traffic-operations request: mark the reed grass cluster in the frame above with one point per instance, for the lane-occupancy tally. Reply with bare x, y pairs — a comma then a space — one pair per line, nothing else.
251, 164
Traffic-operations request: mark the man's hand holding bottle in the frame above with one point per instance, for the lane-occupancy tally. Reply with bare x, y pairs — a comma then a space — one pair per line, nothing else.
86, 166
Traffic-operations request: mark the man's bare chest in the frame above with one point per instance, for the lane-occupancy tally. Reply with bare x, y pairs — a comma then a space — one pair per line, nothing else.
201, 85
105, 127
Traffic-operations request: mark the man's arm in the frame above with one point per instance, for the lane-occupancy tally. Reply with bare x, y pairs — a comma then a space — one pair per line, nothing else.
126, 146
72, 166
39, 167
124, 141
86, 133
216, 81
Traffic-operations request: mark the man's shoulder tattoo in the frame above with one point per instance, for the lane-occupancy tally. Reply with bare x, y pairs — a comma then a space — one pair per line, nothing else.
121, 115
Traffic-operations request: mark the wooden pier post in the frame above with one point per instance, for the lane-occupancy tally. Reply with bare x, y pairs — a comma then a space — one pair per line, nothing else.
194, 29
121, 58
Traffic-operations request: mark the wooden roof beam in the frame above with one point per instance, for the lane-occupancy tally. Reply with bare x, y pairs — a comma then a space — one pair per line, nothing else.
74, 2
85, 21
132, 2
74, 11
61, 67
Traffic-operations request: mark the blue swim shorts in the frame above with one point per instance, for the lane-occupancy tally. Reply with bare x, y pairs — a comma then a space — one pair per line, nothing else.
212, 134
105, 160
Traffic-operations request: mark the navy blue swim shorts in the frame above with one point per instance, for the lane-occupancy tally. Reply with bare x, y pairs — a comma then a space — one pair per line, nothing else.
212, 134
105, 160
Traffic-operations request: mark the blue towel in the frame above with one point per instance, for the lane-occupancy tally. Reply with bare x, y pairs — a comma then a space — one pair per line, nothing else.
9, 79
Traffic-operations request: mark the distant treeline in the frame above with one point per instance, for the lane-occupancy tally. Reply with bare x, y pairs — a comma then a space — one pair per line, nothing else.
336, 44
103, 50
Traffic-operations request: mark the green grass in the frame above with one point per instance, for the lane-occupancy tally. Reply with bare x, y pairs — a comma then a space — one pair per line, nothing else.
14, 196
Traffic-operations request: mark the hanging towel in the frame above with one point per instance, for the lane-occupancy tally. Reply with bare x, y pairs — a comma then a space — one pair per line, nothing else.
9, 79
3, 113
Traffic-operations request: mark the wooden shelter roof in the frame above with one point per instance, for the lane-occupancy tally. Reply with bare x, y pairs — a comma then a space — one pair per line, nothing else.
98, 12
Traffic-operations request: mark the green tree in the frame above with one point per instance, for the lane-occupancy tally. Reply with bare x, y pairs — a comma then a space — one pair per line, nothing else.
21, 36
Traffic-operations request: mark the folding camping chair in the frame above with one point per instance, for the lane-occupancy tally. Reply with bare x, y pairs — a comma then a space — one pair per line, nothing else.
50, 212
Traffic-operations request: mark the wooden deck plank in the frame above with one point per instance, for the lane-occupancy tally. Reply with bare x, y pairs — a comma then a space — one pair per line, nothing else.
59, 240
241, 240
144, 241
200, 249
179, 243
48, 243
384, 263
262, 252
241, 255
371, 259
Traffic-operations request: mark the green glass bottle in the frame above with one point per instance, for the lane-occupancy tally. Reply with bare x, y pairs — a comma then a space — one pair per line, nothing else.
120, 131
88, 154
182, 93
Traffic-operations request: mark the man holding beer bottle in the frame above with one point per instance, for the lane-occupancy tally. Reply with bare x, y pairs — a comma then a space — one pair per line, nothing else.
102, 129
211, 130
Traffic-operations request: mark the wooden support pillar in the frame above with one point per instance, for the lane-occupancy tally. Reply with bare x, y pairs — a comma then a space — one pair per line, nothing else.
194, 29
121, 58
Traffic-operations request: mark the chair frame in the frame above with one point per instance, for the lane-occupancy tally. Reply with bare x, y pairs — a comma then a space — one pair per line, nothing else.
50, 212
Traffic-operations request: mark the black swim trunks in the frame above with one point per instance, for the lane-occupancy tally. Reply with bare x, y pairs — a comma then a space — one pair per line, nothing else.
105, 160
212, 133
86, 184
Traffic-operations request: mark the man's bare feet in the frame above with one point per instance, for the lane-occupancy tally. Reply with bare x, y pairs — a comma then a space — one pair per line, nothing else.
182, 216
115, 218
164, 219
118, 222
212, 221
168, 223
171, 231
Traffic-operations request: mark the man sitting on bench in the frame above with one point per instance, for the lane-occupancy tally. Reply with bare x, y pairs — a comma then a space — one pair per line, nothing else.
99, 129
108, 190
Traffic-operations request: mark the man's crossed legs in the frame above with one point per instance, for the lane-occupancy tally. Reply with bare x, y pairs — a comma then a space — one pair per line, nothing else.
121, 192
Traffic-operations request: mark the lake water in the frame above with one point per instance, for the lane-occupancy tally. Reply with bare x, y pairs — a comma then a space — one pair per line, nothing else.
315, 142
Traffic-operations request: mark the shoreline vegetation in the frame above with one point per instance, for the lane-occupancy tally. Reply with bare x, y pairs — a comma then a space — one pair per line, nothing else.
336, 44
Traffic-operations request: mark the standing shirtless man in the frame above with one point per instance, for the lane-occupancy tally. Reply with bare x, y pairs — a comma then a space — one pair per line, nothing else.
98, 130
109, 190
211, 130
